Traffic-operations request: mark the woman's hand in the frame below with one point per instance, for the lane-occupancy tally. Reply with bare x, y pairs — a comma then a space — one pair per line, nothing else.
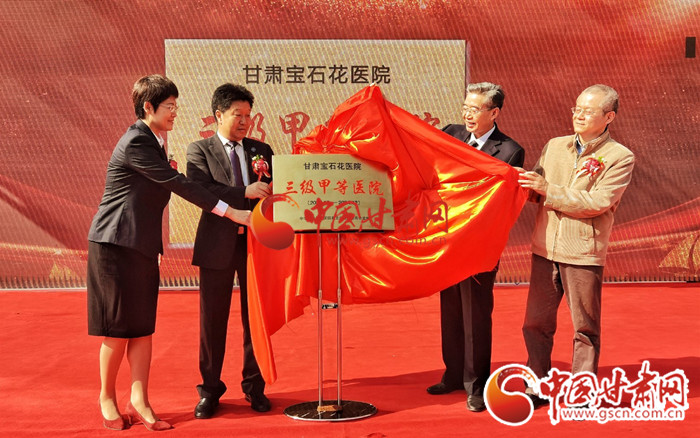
239, 216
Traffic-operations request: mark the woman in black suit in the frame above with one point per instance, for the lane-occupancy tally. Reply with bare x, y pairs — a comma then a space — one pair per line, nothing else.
124, 244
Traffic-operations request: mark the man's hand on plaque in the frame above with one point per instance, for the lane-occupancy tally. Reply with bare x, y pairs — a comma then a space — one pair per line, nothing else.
258, 190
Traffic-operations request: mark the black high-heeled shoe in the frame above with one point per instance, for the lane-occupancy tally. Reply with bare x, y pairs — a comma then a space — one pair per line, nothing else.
134, 416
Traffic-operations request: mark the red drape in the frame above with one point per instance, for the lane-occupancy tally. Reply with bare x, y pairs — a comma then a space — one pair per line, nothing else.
431, 172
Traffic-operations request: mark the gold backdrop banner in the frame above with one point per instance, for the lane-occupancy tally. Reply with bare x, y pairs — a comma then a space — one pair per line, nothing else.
298, 83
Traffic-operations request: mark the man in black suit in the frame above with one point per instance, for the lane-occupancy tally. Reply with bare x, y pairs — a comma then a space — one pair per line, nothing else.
223, 164
466, 307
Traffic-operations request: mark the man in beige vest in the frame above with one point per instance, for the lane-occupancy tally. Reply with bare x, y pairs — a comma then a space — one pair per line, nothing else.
578, 183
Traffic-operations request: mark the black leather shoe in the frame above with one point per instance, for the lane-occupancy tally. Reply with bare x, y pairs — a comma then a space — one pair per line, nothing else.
475, 403
441, 388
258, 402
206, 407
537, 402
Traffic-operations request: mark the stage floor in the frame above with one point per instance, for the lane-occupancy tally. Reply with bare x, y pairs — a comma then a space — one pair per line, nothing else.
391, 353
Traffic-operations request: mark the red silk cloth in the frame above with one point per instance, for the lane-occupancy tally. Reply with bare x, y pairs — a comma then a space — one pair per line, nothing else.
430, 172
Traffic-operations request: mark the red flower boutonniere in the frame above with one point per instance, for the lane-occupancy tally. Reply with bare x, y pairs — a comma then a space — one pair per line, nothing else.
171, 161
592, 166
260, 167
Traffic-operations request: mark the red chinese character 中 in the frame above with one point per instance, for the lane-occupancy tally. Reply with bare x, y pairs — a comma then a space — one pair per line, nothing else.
321, 207
554, 386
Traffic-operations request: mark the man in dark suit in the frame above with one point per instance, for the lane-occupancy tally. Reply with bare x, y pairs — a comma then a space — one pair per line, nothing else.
223, 164
466, 307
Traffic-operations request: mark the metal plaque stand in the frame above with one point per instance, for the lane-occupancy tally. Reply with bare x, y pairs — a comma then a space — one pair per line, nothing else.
339, 409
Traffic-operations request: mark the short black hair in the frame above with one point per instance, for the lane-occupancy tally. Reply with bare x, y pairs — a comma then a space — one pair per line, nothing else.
226, 94
154, 89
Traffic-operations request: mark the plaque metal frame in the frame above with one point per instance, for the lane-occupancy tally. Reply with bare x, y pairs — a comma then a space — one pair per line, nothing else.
339, 409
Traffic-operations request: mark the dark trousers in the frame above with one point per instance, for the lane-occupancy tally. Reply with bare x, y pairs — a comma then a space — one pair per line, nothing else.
465, 320
216, 287
549, 282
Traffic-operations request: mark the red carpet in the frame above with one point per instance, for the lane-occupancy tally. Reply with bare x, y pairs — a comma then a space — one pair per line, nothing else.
49, 375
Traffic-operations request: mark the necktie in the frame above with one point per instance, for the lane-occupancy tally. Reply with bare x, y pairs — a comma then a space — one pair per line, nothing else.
473, 143
236, 164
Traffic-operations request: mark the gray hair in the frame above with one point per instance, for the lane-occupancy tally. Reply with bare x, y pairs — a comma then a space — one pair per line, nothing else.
612, 99
494, 93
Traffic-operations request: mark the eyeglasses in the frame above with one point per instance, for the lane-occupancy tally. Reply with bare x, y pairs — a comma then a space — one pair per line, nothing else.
469, 110
172, 107
587, 112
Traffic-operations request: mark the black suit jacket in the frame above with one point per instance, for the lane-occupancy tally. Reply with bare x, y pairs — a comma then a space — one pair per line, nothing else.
498, 144
209, 164
137, 189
